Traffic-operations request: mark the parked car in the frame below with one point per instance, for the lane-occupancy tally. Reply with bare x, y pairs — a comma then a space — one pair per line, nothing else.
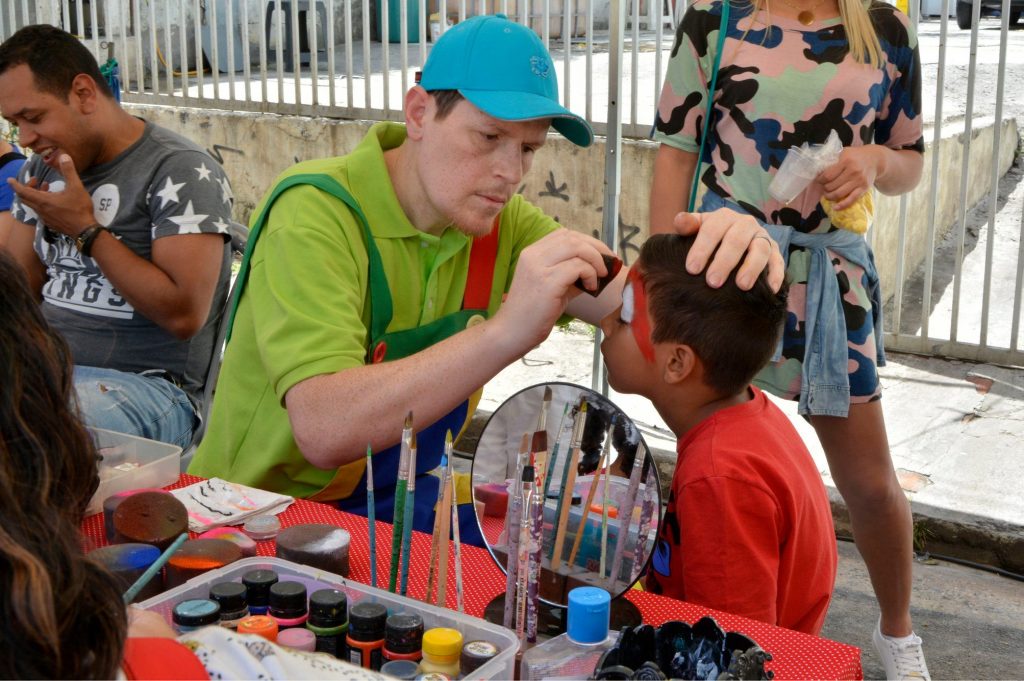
964, 9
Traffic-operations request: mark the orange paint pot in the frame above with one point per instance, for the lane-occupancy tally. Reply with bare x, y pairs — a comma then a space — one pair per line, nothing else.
261, 625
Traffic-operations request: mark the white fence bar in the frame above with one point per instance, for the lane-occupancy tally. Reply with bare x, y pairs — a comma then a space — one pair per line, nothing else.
612, 167
926, 304
986, 304
972, 70
367, 65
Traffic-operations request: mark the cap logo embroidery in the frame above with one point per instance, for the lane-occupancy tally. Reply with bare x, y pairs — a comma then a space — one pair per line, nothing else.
539, 66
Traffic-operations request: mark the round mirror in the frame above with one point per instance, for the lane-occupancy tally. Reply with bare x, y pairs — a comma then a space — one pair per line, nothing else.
601, 494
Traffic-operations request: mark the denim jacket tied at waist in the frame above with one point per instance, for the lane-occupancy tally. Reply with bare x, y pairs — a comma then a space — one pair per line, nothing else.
825, 381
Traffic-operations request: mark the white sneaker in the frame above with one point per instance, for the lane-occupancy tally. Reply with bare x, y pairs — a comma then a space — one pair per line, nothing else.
903, 658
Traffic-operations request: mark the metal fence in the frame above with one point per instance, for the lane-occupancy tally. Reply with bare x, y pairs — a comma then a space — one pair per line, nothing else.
326, 58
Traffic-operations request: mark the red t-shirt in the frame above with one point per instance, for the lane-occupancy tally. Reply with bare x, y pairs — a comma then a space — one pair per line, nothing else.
748, 528
160, 658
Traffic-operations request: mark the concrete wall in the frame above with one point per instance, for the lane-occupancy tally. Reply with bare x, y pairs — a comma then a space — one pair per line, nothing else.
565, 181
947, 202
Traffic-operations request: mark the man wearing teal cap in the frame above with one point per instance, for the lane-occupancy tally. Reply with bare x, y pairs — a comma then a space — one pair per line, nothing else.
401, 277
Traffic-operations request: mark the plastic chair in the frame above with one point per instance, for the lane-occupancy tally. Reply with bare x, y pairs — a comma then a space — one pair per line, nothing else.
304, 35
239, 237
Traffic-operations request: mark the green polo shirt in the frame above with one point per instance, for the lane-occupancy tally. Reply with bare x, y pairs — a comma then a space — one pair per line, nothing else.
305, 310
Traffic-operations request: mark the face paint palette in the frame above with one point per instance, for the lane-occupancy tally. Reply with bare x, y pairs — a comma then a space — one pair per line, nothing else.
316, 545
197, 556
127, 562
150, 518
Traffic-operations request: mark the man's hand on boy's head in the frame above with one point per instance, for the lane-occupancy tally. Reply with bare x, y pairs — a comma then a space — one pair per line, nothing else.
735, 236
543, 282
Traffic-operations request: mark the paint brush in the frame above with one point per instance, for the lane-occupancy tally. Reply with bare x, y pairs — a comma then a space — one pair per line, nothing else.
594, 482
435, 537
565, 471
515, 511
442, 557
398, 515
371, 513
156, 567
552, 459
626, 514
410, 505
568, 482
604, 523
539, 444
536, 516
523, 552
458, 542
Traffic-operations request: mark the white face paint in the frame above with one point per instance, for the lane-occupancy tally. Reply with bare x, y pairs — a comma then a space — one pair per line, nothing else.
626, 314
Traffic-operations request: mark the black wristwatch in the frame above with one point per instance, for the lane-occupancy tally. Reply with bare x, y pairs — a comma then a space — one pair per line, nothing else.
87, 236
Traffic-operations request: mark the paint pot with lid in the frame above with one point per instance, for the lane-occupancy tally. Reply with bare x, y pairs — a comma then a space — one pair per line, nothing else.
257, 584
297, 638
328, 620
366, 625
195, 613
476, 654
403, 637
231, 596
442, 647
400, 669
261, 625
288, 604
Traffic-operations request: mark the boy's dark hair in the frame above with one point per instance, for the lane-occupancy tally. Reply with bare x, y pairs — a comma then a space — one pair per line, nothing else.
55, 58
733, 332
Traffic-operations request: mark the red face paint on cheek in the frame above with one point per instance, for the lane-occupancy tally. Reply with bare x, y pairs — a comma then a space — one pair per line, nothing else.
640, 323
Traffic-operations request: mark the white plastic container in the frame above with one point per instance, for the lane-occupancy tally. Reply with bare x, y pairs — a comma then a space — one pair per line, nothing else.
502, 666
793, 176
131, 462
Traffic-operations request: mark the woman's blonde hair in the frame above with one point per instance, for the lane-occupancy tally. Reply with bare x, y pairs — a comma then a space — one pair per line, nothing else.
860, 32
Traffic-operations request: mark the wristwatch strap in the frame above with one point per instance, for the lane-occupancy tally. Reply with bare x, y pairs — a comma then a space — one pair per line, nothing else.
86, 238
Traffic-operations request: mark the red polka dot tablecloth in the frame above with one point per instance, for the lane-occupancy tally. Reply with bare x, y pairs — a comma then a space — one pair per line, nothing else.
796, 655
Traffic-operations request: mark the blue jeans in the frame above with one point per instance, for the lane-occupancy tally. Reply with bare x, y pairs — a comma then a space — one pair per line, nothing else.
147, 406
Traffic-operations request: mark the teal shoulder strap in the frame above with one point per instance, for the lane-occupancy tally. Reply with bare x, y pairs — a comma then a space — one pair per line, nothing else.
723, 27
380, 295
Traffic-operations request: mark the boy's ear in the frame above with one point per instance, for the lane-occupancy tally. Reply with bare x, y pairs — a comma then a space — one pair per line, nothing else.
417, 101
680, 364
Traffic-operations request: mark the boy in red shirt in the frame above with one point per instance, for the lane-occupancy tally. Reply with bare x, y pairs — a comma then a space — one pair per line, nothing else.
748, 529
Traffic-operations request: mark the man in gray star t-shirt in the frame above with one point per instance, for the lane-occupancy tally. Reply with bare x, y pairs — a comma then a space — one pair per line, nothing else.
122, 230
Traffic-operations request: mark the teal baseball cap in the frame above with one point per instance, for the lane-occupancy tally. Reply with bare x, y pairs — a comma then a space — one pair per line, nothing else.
504, 70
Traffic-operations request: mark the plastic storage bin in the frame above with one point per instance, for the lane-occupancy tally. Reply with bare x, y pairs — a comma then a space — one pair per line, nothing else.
472, 628
131, 462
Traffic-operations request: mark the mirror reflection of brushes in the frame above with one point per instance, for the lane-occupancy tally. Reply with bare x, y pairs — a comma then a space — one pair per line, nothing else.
602, 544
